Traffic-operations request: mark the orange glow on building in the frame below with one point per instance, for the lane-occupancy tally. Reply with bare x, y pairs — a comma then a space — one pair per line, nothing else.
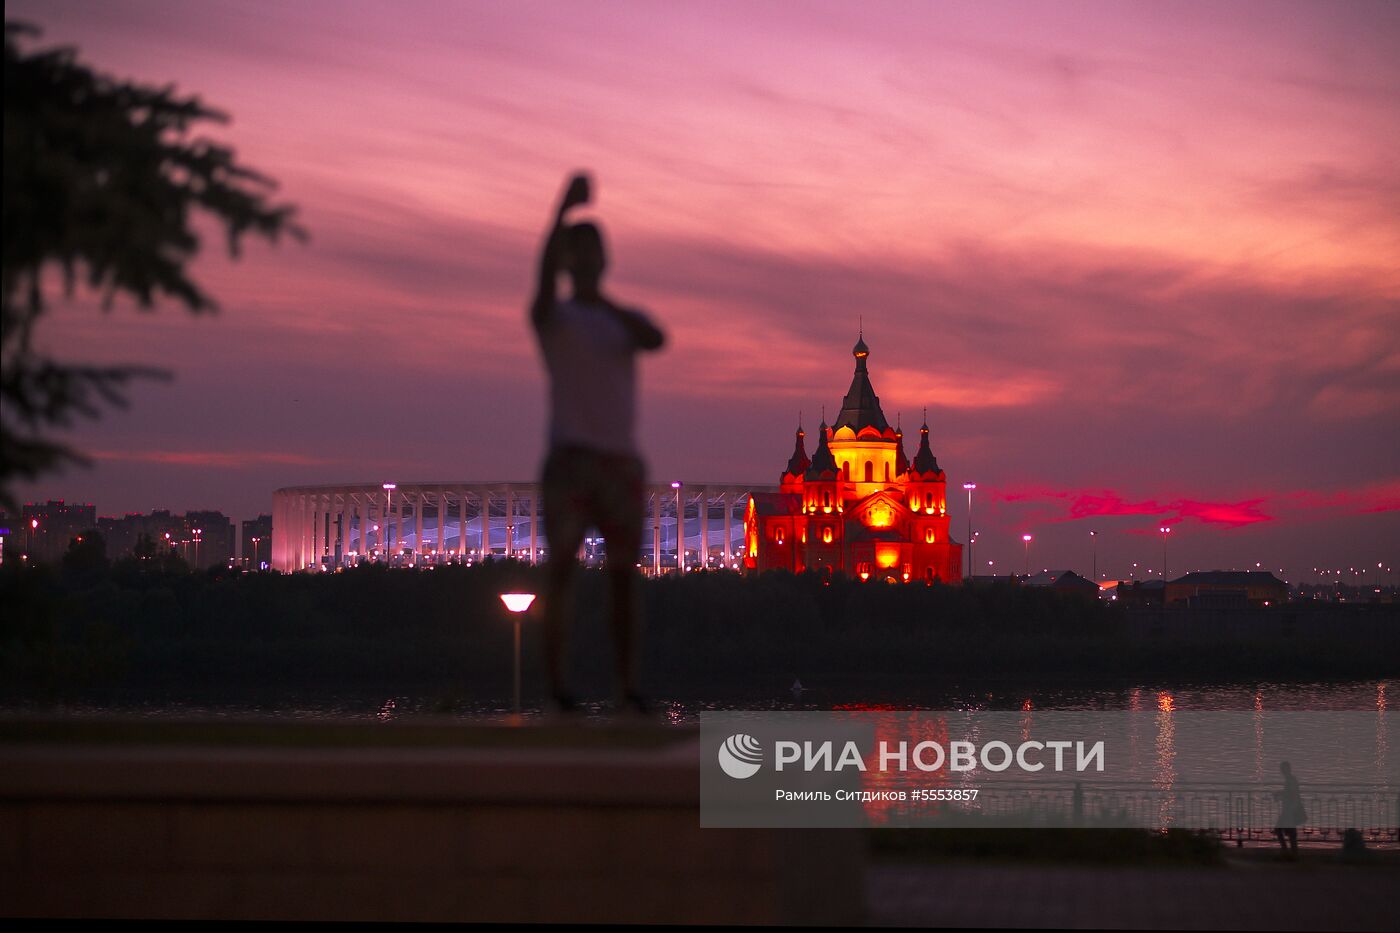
880, 515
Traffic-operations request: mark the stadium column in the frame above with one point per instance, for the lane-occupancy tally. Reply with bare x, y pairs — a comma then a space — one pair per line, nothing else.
728, 514
461, 525
510, 521
398, 523
361, 512
313, 515
303, 531
338, 552
704, 514
656, 532
418, 499
534, 522
485, 532
347, 531
314, 510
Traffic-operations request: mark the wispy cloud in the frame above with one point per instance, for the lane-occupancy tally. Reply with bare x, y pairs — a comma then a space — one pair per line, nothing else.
220, 459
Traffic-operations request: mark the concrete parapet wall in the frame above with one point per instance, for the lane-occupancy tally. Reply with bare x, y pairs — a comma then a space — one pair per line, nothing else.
393, 834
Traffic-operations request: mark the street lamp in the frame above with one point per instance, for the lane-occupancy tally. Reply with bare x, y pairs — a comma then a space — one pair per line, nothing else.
517, 603
969, 487
680, 528
388, 507
1165, 530
197, 533
255, 564
1027, 539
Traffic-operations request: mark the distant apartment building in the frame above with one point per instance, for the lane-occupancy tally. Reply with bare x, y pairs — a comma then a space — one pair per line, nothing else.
203, 538
164, 529
211, 539
45, 529
257, 543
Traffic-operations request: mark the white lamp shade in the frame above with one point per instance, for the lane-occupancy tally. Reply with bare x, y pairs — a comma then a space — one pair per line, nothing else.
517, 602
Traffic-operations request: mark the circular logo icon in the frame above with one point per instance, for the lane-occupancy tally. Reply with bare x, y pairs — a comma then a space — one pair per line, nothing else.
740, 756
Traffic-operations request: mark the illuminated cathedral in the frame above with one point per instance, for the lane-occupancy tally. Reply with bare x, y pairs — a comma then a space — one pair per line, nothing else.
857, 506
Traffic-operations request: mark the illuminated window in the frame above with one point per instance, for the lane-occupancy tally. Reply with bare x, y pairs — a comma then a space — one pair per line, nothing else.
928, 535
869, 472
826, 500
803, 537
778, 535
928, 500
826, 535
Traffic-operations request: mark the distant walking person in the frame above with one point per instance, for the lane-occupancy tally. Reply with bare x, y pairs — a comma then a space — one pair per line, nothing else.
592, 475
1291, 814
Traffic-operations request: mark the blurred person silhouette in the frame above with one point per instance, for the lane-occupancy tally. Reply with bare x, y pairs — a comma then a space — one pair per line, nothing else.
1291, 813
592, 474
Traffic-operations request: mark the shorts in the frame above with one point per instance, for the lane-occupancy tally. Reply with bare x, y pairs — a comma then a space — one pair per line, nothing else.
586, 488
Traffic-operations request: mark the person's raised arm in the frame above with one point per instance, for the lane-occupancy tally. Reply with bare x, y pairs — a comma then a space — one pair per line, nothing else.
577, 193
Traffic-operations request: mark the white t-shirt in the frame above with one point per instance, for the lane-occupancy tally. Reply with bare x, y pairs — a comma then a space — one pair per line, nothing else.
591, 358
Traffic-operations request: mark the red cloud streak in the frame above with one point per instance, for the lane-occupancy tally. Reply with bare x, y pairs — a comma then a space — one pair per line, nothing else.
1086, 503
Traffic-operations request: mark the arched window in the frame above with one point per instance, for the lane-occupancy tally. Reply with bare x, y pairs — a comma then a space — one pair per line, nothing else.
826, 499
928, 500
846, 471
778, 535
826, 535
928, 535
887, 472
869, 472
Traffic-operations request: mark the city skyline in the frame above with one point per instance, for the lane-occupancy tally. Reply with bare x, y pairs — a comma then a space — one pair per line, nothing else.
1136, 263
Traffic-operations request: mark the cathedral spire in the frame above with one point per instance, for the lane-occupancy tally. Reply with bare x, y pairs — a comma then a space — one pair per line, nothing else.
861, 406
823, 462
798, 463
924, 460
901, 462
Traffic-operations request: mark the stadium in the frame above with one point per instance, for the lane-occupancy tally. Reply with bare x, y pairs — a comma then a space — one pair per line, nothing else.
426, 524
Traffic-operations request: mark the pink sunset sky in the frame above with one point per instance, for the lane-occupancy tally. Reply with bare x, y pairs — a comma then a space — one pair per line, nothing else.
1141, 262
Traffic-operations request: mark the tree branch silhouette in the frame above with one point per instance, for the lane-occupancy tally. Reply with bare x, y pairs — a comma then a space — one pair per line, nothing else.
102, 179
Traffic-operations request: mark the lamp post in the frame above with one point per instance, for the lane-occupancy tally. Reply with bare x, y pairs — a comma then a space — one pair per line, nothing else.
969, 487
1027, 539
517, 603
1094, 544
254, 563
197, 533
680, 528
1165, 530
388, 507
29, 546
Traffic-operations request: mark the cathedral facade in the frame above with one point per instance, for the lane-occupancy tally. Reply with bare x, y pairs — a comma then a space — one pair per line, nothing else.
857, 506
